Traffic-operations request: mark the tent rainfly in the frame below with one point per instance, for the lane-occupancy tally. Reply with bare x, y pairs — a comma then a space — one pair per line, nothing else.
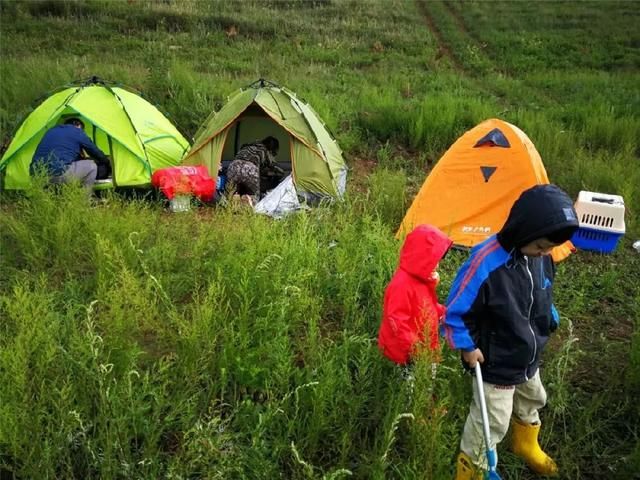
470, 191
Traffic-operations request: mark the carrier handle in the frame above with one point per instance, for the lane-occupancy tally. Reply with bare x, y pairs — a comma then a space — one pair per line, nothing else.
610, 201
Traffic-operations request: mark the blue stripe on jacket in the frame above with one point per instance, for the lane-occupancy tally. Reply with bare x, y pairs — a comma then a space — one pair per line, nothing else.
485, 258
556, 316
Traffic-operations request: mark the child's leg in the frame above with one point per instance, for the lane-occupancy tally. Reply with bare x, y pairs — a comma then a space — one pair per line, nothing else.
529, 397
499, 399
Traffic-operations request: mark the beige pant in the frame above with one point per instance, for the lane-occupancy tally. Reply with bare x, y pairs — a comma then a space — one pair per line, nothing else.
523, 401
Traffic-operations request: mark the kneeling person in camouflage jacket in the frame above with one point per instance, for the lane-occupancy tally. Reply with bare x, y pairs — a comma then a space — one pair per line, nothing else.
244, 172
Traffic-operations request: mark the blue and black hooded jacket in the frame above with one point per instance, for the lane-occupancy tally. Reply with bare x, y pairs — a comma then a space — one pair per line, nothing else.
501, 300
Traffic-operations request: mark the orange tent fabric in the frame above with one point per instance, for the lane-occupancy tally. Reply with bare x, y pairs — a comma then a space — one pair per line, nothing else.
470, 191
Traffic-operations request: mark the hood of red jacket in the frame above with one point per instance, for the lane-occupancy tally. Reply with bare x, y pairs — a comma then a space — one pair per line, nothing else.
423, 248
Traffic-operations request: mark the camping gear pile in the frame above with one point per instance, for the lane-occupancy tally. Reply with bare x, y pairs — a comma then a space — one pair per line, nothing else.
137, 137
179, 184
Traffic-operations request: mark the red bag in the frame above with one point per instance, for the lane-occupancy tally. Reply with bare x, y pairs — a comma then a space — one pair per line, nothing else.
193, 180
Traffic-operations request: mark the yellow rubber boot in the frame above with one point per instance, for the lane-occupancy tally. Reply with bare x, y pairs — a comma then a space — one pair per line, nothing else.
524, 443
466, 470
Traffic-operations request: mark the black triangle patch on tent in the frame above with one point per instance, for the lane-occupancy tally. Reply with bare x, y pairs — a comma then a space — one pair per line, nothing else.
495, 138
487, 172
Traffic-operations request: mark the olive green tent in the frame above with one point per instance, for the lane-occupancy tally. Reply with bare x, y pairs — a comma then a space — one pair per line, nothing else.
138, 138
262, 109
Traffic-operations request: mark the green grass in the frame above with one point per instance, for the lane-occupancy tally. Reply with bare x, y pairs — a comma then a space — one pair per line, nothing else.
135, 343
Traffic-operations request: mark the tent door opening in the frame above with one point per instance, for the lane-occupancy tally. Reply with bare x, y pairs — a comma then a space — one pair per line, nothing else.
251, 126
106, 174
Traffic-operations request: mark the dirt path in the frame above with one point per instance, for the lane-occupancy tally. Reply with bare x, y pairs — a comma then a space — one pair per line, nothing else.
464, 33
443, 47
446, 49
459, 20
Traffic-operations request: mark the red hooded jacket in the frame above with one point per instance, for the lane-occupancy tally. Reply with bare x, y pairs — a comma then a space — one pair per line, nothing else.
411, 305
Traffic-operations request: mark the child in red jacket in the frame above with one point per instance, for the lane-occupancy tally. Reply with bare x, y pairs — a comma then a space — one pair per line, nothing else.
411, 310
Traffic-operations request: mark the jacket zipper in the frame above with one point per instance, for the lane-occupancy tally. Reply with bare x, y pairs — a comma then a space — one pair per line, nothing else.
535, 345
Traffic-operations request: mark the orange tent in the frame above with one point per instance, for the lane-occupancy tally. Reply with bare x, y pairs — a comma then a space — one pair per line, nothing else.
470, 191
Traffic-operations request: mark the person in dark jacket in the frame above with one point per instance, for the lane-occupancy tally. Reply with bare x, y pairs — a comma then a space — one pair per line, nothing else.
60, 154
253, 158
500, 313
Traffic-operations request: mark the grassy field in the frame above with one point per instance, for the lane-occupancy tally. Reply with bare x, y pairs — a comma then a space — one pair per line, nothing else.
135, 343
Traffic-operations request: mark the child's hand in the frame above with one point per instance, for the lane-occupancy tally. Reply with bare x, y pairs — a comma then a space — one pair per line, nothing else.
435, 277
473, 357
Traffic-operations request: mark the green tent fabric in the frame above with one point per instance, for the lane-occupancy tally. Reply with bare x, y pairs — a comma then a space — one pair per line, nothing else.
264, 109
135, 134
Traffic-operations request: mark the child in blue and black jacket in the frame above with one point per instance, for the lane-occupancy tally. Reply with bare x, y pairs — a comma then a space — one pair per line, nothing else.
500, 313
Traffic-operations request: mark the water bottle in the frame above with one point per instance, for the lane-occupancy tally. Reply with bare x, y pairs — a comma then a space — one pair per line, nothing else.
180, 203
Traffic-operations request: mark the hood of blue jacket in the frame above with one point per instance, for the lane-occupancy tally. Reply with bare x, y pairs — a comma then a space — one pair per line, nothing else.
539, 211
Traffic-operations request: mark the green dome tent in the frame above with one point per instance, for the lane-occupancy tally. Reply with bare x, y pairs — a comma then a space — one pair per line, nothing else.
262, 109
138, 138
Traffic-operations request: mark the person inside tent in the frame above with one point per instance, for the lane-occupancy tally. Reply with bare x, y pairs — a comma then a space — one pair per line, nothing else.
60, 154
251, 160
